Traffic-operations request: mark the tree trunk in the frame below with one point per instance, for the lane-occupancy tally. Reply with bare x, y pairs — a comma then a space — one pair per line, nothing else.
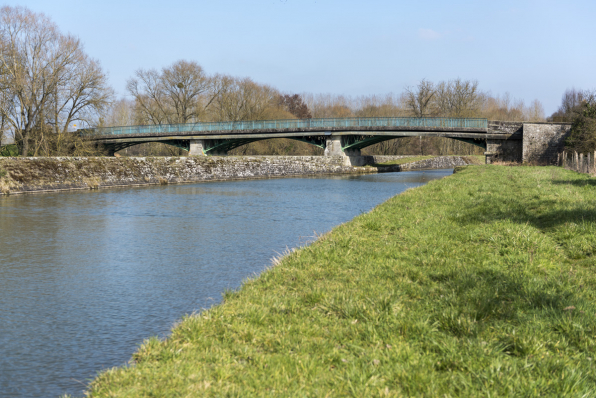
25, 147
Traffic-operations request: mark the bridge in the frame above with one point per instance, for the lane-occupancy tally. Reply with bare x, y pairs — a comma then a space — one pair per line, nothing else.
337, 136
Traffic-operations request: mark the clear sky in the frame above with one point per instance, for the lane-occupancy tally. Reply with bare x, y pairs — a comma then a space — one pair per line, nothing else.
533, 49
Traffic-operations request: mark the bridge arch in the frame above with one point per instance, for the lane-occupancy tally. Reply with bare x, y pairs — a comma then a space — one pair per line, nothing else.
211, 147
224, 145
112, 148
357, 143
350, 144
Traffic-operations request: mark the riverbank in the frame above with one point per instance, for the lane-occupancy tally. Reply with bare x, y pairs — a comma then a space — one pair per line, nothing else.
479, 284
28, 175
411, 163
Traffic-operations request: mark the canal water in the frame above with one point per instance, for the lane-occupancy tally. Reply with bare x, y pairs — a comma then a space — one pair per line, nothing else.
87, 276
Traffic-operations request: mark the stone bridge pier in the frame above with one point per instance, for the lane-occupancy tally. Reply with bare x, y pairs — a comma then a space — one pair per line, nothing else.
196, 148
527, 142
334, 145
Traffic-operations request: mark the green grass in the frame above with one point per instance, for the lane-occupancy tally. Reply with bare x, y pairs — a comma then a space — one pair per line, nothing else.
409, 159
476, 159
481, 284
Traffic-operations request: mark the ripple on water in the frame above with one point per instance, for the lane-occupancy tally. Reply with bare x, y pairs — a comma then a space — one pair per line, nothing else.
86, 276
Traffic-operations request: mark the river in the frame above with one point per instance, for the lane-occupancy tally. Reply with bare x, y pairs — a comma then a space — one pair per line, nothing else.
85, 277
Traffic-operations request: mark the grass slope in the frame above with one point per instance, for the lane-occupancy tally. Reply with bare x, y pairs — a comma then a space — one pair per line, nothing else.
480, 284
409, 159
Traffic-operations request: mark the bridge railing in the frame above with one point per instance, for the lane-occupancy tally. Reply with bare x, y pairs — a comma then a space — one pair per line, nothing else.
206, 127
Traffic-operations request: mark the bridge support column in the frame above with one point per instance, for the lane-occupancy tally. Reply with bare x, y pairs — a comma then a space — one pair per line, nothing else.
352, 152
351, 157
333, 146
109, 150
503, 150
196, 148
489, 157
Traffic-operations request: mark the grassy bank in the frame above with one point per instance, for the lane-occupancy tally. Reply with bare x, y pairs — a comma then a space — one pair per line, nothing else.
477, 160
480, 284
404, 160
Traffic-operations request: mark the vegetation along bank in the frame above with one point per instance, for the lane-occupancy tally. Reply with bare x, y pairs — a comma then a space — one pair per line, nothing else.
19, 175
479, 284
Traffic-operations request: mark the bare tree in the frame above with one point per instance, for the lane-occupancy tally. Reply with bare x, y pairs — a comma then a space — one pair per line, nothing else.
181, 93
81, 95
459, 98
378, 106
146, 90
121, 113
243, 99
49, 81
328, 105
570, 102
535, 112
419, 100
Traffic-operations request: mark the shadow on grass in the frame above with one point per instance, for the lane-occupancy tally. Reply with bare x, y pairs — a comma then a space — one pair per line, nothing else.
540, 213
519, 313
587, 182
491, 294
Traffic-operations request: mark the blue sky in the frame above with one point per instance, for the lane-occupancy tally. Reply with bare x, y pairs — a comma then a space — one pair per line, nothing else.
531, 49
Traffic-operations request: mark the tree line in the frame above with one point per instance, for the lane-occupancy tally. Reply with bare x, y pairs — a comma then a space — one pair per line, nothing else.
49, 87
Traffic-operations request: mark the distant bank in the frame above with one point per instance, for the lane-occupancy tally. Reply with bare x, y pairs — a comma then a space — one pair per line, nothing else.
28, 175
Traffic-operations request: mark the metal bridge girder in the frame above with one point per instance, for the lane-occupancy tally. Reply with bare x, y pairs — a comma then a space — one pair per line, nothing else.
115, 147
225, 145
363, 141
479, 143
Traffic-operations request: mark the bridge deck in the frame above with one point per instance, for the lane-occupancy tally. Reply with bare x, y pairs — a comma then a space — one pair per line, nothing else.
299, 126
354, 134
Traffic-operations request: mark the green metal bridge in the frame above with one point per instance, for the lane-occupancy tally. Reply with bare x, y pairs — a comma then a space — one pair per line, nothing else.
339, 136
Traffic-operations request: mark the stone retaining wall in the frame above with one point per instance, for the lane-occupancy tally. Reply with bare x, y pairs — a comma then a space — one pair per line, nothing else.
41, 174
439, 162
21, 175
543, 142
